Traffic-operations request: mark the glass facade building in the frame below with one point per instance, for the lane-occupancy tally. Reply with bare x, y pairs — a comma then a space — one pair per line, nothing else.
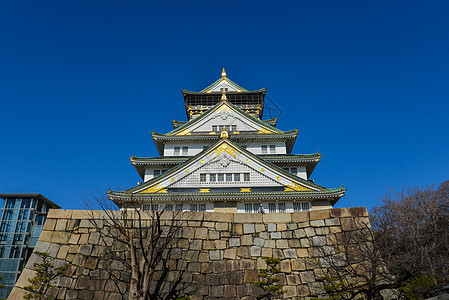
22, 219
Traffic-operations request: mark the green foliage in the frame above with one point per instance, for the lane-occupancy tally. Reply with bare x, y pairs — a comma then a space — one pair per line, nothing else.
268, 281
420, 287
46, 274
335, 289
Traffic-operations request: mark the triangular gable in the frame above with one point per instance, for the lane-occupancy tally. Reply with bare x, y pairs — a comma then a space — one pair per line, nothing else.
224, 110
225, 153
223, 83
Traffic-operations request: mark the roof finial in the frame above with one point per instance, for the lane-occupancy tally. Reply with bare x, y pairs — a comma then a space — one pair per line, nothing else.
223, 73
223, 96
224, 133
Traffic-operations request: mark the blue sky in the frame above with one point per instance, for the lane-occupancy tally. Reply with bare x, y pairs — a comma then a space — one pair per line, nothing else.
83, 83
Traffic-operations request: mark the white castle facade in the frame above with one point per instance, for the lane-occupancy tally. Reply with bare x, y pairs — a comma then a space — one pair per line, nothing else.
226, 158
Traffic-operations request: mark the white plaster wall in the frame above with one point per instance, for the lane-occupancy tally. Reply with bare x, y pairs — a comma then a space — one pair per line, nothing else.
194, 148
288, 206
149, 173
255, 147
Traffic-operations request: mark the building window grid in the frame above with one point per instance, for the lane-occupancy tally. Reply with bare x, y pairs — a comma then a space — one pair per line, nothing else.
224, 177
301, 206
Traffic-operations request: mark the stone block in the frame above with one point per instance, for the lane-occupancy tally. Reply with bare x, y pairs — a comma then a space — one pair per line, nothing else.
216, 291
264, 235
214, 255
261, 263
53, 249
290, 291
255, 250
248, 228
91, 263
246, 240
287, 235
285, 266
307, 277
339, 213
219, 217
309, 231
83, 239
305, 243
332, 222
183, 243
318, 240
232, 265
300, 233
188, 232
358, 211
74, 238
320, 214
281, 227
269, 244
85, 249
348, 224
62, 253
94, 238
220, 244
272, 227
85, 214
60, 237
281, 244
322, 230
290, 253
302, 252
201, 233
243, 252
259, 242
207, 268
59, 214
23, 278
300, 217
277, 218
247, 264
219, 267
275, 235
267, 252
221, 226
50, 224
17, 293
294, 243
247, 218
196, 244
208, 224
230, 253
229, 291
317, 223
237, 229
234, 242
298, 265
278, 253
250, 276
260, 227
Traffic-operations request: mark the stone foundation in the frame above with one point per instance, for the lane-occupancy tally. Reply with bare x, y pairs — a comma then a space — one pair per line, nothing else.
219, 253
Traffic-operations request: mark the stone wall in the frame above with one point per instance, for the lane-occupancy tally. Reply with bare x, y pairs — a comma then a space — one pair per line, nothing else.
219, 252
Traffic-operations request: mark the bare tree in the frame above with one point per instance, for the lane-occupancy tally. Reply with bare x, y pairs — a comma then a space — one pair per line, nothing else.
412, 233
351, 266
144, 243
405, 253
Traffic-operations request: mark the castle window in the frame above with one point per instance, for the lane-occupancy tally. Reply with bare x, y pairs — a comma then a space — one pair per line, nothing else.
272, 149
177, 151
202, 177
228, 177
214, 128
281, 207
169, 207
202, 207
264, 149
245, 176
193, 207
178, 207
294, 171
157, 173
301, 206
185, 150
220, 177
233, 127
212, 178
237, 177
272, 207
